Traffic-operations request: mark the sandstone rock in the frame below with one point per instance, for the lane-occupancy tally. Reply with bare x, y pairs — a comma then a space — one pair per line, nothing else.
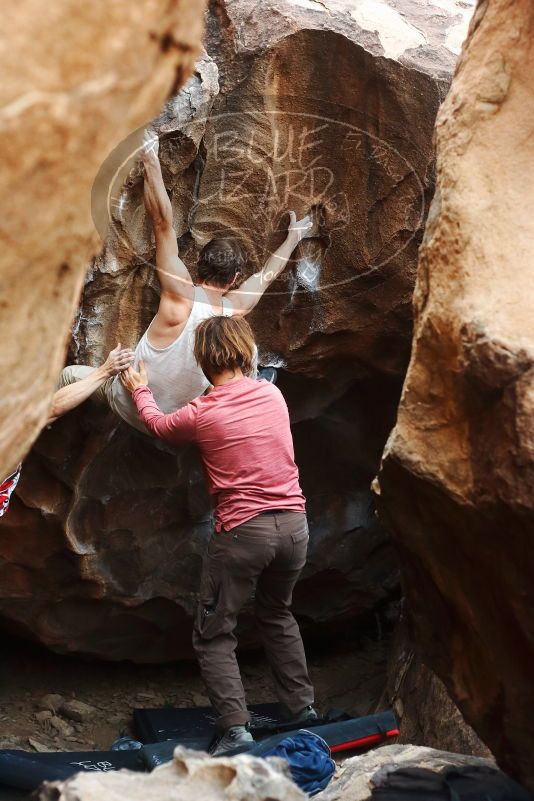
77, 710
61, 726
425, 711
74, 82
190, 775
199, 699
44, 715
456, 482
38, 746
11, 741
52, 702
296, 105
402, 772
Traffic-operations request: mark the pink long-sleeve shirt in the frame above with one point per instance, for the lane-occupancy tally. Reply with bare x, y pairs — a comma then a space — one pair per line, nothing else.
242, 430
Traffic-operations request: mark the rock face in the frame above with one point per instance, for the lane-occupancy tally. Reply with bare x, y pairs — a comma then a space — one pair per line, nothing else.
424, 709
399, 772
75, 81
190, 775
456, 482
296, 104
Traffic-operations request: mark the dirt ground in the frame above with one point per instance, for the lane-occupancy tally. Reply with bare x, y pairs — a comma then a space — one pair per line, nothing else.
349, 674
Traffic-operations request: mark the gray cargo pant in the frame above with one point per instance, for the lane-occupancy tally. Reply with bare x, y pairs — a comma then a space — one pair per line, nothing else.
264, 556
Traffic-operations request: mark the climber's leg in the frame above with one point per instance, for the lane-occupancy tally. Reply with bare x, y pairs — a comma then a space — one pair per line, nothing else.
73, 373
76, 372
77, 383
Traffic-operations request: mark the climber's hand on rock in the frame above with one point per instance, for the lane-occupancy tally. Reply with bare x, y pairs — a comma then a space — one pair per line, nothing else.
301, 228
150, 148
132, 379
118, 360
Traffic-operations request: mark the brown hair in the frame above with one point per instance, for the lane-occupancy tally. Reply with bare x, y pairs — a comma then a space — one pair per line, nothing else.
220, 260
224, 343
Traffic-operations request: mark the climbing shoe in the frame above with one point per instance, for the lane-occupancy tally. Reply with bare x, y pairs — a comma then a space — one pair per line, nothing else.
268, 374
235, 739
307, 715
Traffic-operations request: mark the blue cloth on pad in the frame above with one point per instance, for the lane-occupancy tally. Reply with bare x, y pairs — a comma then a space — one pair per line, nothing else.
309, 760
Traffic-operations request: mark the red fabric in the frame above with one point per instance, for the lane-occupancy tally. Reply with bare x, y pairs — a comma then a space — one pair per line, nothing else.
242, 430
371, 739
6, 489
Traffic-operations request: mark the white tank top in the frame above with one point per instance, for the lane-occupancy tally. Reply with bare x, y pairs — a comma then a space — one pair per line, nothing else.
173, 373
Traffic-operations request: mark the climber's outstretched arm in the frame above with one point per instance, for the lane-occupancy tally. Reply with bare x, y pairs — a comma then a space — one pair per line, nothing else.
174, 276
73, 395
249, 293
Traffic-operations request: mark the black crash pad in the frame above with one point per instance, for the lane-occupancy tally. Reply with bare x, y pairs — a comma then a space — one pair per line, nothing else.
27, 770
194, 727
12, 794
353, 734
344, 735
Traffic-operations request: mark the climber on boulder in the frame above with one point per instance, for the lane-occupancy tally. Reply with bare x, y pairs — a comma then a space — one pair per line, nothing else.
241, 427
166, 347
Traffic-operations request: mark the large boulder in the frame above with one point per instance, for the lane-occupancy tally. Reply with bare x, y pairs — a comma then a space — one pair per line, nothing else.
76, 78
456, 482
425, 712
296, 104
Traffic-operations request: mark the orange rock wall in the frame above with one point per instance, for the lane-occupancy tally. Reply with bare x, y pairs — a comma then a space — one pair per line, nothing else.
76, 78
458, 471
